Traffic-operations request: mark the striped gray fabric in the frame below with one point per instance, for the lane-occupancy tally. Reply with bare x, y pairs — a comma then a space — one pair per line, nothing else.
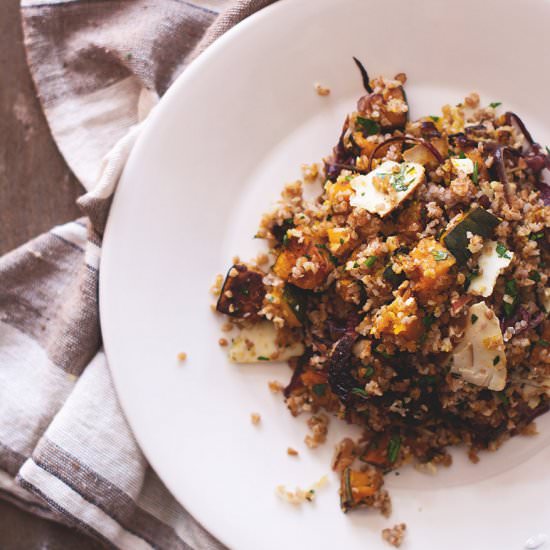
66, 451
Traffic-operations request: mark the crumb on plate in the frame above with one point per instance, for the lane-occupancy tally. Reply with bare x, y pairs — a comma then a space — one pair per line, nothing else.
321, 90
395, 534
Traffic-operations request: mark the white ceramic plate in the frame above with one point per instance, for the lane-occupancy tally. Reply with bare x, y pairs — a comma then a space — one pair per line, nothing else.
214, 156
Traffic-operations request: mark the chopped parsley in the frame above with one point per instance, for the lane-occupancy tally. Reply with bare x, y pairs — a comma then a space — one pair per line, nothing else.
397, 180
495, 104
245, 291
502, 251
461, 155
359, 391
370, 261
474, 318
393, 448
263, 358
496, 360
285, 239
341, 240
319, 389
475, 173
428, 320
511, 289
472, 275
355, 265
429, 380
382, 353
543, 343
536, 236
369, 127
369, 371
534, 276
501, 396
440, 255
435, 118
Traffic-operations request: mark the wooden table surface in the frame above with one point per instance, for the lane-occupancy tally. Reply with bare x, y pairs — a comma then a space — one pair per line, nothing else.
37, 191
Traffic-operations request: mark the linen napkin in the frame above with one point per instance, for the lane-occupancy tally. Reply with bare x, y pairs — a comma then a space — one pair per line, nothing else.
66, 451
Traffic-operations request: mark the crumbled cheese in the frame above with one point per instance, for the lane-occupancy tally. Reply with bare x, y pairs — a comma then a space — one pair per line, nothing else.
259, 343
463, 165
494, 259
479, 358
384, 188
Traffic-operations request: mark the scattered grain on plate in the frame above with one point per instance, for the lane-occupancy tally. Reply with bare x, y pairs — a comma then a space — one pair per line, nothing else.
310, 172
472, 100
227, 327
223, 342
275, 386
182, 356
321, 90
301, 495
394, 535
262, 259
255, 418
292, 452
318, 424
216, 288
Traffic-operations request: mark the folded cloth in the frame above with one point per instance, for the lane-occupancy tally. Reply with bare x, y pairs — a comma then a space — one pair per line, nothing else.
66, 451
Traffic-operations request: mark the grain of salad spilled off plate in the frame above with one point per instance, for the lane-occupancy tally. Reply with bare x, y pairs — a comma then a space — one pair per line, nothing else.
411, 297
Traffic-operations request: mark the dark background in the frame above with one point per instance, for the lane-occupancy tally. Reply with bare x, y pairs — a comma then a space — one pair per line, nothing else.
37, 191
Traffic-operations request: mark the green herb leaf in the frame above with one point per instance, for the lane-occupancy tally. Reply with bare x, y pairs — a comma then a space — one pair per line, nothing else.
382, 353
361, 392
370, 261
428, 320
472, 275
341, 240
475, 174
355, 265
511, 289
285, 239
319, 389
369, 127
496, 360
495, 104
502, 251
501, 396
369, 371
245, 291
536, 236
263, 358
440, 255
435, 118
461, 155
543, 343
474, 318
534, 276
393, 448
